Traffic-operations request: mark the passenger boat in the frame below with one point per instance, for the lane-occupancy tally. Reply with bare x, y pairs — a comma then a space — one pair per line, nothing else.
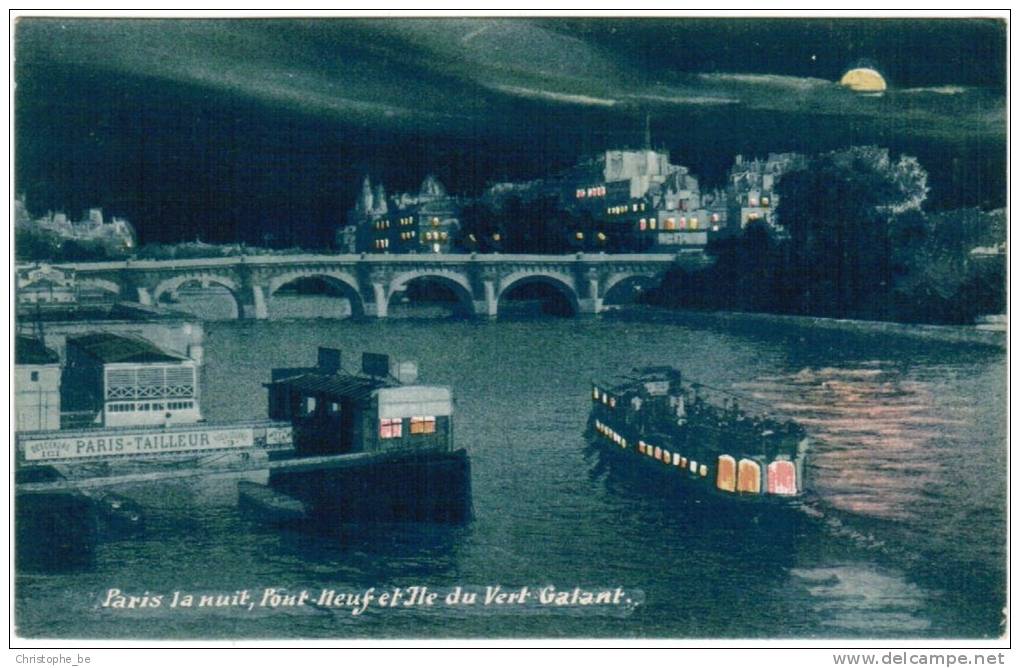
712, 450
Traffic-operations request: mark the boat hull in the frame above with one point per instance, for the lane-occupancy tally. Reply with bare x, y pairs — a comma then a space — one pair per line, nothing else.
695, 497
430, 487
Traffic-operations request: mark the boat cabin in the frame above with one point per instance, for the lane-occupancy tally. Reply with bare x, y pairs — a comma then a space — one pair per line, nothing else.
128, 381
379, 409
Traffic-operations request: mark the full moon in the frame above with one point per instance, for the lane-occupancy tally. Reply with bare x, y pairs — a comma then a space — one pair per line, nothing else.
863, 80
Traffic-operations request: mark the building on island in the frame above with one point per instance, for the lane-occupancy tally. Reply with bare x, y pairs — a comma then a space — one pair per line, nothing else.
422, 222
36, 386
117, 234
126, 381
751, 187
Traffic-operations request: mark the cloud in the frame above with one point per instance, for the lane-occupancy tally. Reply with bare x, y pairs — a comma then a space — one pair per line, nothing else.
938, 90
438, 70
766, 80
567, 98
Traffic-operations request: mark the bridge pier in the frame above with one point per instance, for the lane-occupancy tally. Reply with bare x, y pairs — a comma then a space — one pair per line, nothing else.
252, 304
380, 307
144, 296
490, 306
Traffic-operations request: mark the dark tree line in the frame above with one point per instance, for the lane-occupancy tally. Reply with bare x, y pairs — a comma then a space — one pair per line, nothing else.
857, 244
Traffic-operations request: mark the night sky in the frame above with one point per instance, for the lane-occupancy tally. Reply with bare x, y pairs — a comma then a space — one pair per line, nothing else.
260, 130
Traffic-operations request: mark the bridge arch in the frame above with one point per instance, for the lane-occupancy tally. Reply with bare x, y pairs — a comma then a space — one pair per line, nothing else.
100, 284
344, 282
455, 281
563, 284
619, 287
171, 285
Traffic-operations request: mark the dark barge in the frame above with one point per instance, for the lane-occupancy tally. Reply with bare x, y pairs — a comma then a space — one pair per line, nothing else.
391, 439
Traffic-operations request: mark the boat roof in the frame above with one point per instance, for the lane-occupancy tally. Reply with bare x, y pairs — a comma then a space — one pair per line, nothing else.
339, 384
631, 381
113, 348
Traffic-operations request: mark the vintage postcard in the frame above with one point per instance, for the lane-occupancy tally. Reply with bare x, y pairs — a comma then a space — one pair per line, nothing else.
340, 328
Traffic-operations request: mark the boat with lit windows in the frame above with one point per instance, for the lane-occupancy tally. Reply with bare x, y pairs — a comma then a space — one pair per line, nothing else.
369, 446
653, 421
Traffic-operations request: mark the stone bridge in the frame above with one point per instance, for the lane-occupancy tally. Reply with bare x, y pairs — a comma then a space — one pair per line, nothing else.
370, 281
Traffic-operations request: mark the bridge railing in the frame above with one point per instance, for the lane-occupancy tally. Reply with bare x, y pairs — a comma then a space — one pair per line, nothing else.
377, 258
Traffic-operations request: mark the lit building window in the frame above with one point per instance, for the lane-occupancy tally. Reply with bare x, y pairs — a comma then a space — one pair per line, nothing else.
601, 236
423, 425
642, 224
715, 218
435, 222
496, 237
579, 236
652, 223
694, 223
634, 208
670, 224
390, 428
580, 193
764, 201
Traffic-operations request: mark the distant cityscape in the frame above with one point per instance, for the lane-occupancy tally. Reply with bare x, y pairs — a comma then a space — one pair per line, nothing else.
623, 200
629, 200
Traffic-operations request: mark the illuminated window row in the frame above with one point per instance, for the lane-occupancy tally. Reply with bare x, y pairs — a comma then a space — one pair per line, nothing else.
410, 234
745, 476
609, 433
382, 224
436, 236
673, 459
598, 395
394, 427
625, 208
382, 243
407, 220
594, 191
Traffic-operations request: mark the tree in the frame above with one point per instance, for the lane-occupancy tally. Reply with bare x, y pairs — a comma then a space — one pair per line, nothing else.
840, 211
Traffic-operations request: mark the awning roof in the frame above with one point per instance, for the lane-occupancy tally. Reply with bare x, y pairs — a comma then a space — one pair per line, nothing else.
337, 385
29, 350
112, 348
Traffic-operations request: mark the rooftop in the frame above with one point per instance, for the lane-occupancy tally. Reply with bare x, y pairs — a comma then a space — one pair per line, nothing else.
338, 385
113, 348
29, 350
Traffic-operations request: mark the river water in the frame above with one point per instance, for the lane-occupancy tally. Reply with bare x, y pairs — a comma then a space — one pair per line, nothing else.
907, 538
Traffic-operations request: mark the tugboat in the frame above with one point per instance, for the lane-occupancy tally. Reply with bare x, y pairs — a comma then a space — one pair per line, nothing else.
716, 452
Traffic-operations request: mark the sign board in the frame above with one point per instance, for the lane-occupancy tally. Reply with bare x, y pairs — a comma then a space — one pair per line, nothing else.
279, 436
146, 443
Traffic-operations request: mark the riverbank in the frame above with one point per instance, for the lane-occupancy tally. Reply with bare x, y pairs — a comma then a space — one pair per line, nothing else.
740, 321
